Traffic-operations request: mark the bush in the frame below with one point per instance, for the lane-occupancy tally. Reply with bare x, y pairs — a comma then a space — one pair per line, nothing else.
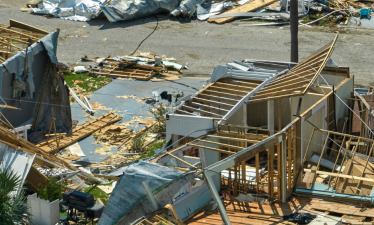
159, 112
138, 143
52, 191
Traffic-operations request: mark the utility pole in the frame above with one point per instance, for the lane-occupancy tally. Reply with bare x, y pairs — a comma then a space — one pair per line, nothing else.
294, 24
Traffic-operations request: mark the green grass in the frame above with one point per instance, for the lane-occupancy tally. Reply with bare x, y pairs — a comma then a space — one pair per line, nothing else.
97, 193
149, 150
90, 83
156, 145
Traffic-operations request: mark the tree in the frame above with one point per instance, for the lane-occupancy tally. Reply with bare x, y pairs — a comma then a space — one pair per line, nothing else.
13, 208
294, 20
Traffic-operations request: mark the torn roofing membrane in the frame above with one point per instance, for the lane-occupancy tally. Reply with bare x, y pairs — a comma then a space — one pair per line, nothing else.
129, 190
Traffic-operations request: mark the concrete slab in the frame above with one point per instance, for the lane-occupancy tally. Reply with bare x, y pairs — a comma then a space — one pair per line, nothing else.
129, 108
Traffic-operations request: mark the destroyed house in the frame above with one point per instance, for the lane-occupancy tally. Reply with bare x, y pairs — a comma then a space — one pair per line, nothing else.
32, 90
263, 130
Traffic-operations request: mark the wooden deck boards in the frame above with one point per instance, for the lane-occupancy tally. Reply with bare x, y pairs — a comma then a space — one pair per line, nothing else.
255, 213
80, 132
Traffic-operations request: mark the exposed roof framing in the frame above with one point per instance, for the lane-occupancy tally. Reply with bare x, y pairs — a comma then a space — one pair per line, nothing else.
299, 79
15, 37
227, 142
217, 99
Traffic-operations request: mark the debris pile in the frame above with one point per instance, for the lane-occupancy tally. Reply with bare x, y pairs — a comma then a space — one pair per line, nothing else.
131, 67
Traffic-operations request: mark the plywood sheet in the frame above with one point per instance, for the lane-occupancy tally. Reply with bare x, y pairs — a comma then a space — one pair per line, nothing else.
250, 6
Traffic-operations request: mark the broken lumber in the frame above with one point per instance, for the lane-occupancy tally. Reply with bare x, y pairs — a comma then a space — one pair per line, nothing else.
79, 133
248, 7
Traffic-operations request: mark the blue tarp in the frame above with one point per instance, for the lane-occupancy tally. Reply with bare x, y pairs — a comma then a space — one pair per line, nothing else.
129, 190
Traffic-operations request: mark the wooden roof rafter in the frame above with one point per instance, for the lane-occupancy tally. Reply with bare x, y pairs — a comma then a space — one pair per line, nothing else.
299, 79
217, 98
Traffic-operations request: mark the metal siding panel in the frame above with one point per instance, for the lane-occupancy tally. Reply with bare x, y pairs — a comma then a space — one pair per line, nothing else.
183, 125
26, 115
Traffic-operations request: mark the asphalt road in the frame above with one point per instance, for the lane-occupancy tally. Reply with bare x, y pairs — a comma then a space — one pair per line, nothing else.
200, 44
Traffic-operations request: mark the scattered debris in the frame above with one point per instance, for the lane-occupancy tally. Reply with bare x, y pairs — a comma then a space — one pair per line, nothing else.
139, 68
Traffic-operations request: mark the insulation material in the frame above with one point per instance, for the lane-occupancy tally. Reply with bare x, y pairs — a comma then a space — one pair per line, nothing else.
76, 149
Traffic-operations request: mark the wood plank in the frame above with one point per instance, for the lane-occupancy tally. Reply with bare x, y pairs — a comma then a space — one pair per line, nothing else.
213, 149
201, 111
218, 97
275, 97
212, 102
234, 86
223, 93
313, 170
229, 90
14, 23
248, 7
209, 107
79, 133
221, 144
233, 139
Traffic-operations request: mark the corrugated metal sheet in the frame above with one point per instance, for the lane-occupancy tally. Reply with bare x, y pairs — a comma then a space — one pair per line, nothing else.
18, 161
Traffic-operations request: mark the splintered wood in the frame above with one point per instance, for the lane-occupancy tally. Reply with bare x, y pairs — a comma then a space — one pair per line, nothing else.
16, 37
133, 68
80, 132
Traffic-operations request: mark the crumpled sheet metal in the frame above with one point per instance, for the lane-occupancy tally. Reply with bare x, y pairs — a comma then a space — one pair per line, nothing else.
209, 9
129, 190
119, 10
78, 10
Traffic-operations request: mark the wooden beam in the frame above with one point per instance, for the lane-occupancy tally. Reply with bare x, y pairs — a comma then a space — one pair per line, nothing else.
221, 144
273, 88
209, 107
289, 161
224, 93
14, 23
240, 82
229, 90
275, 97
257, 162
234, 86
233, 139
251, 136
201, 111
212, 102
287, 91
185, 112
339, 175
218, 97
19, 33
213, 149
323, 64
271, 170
181, 160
